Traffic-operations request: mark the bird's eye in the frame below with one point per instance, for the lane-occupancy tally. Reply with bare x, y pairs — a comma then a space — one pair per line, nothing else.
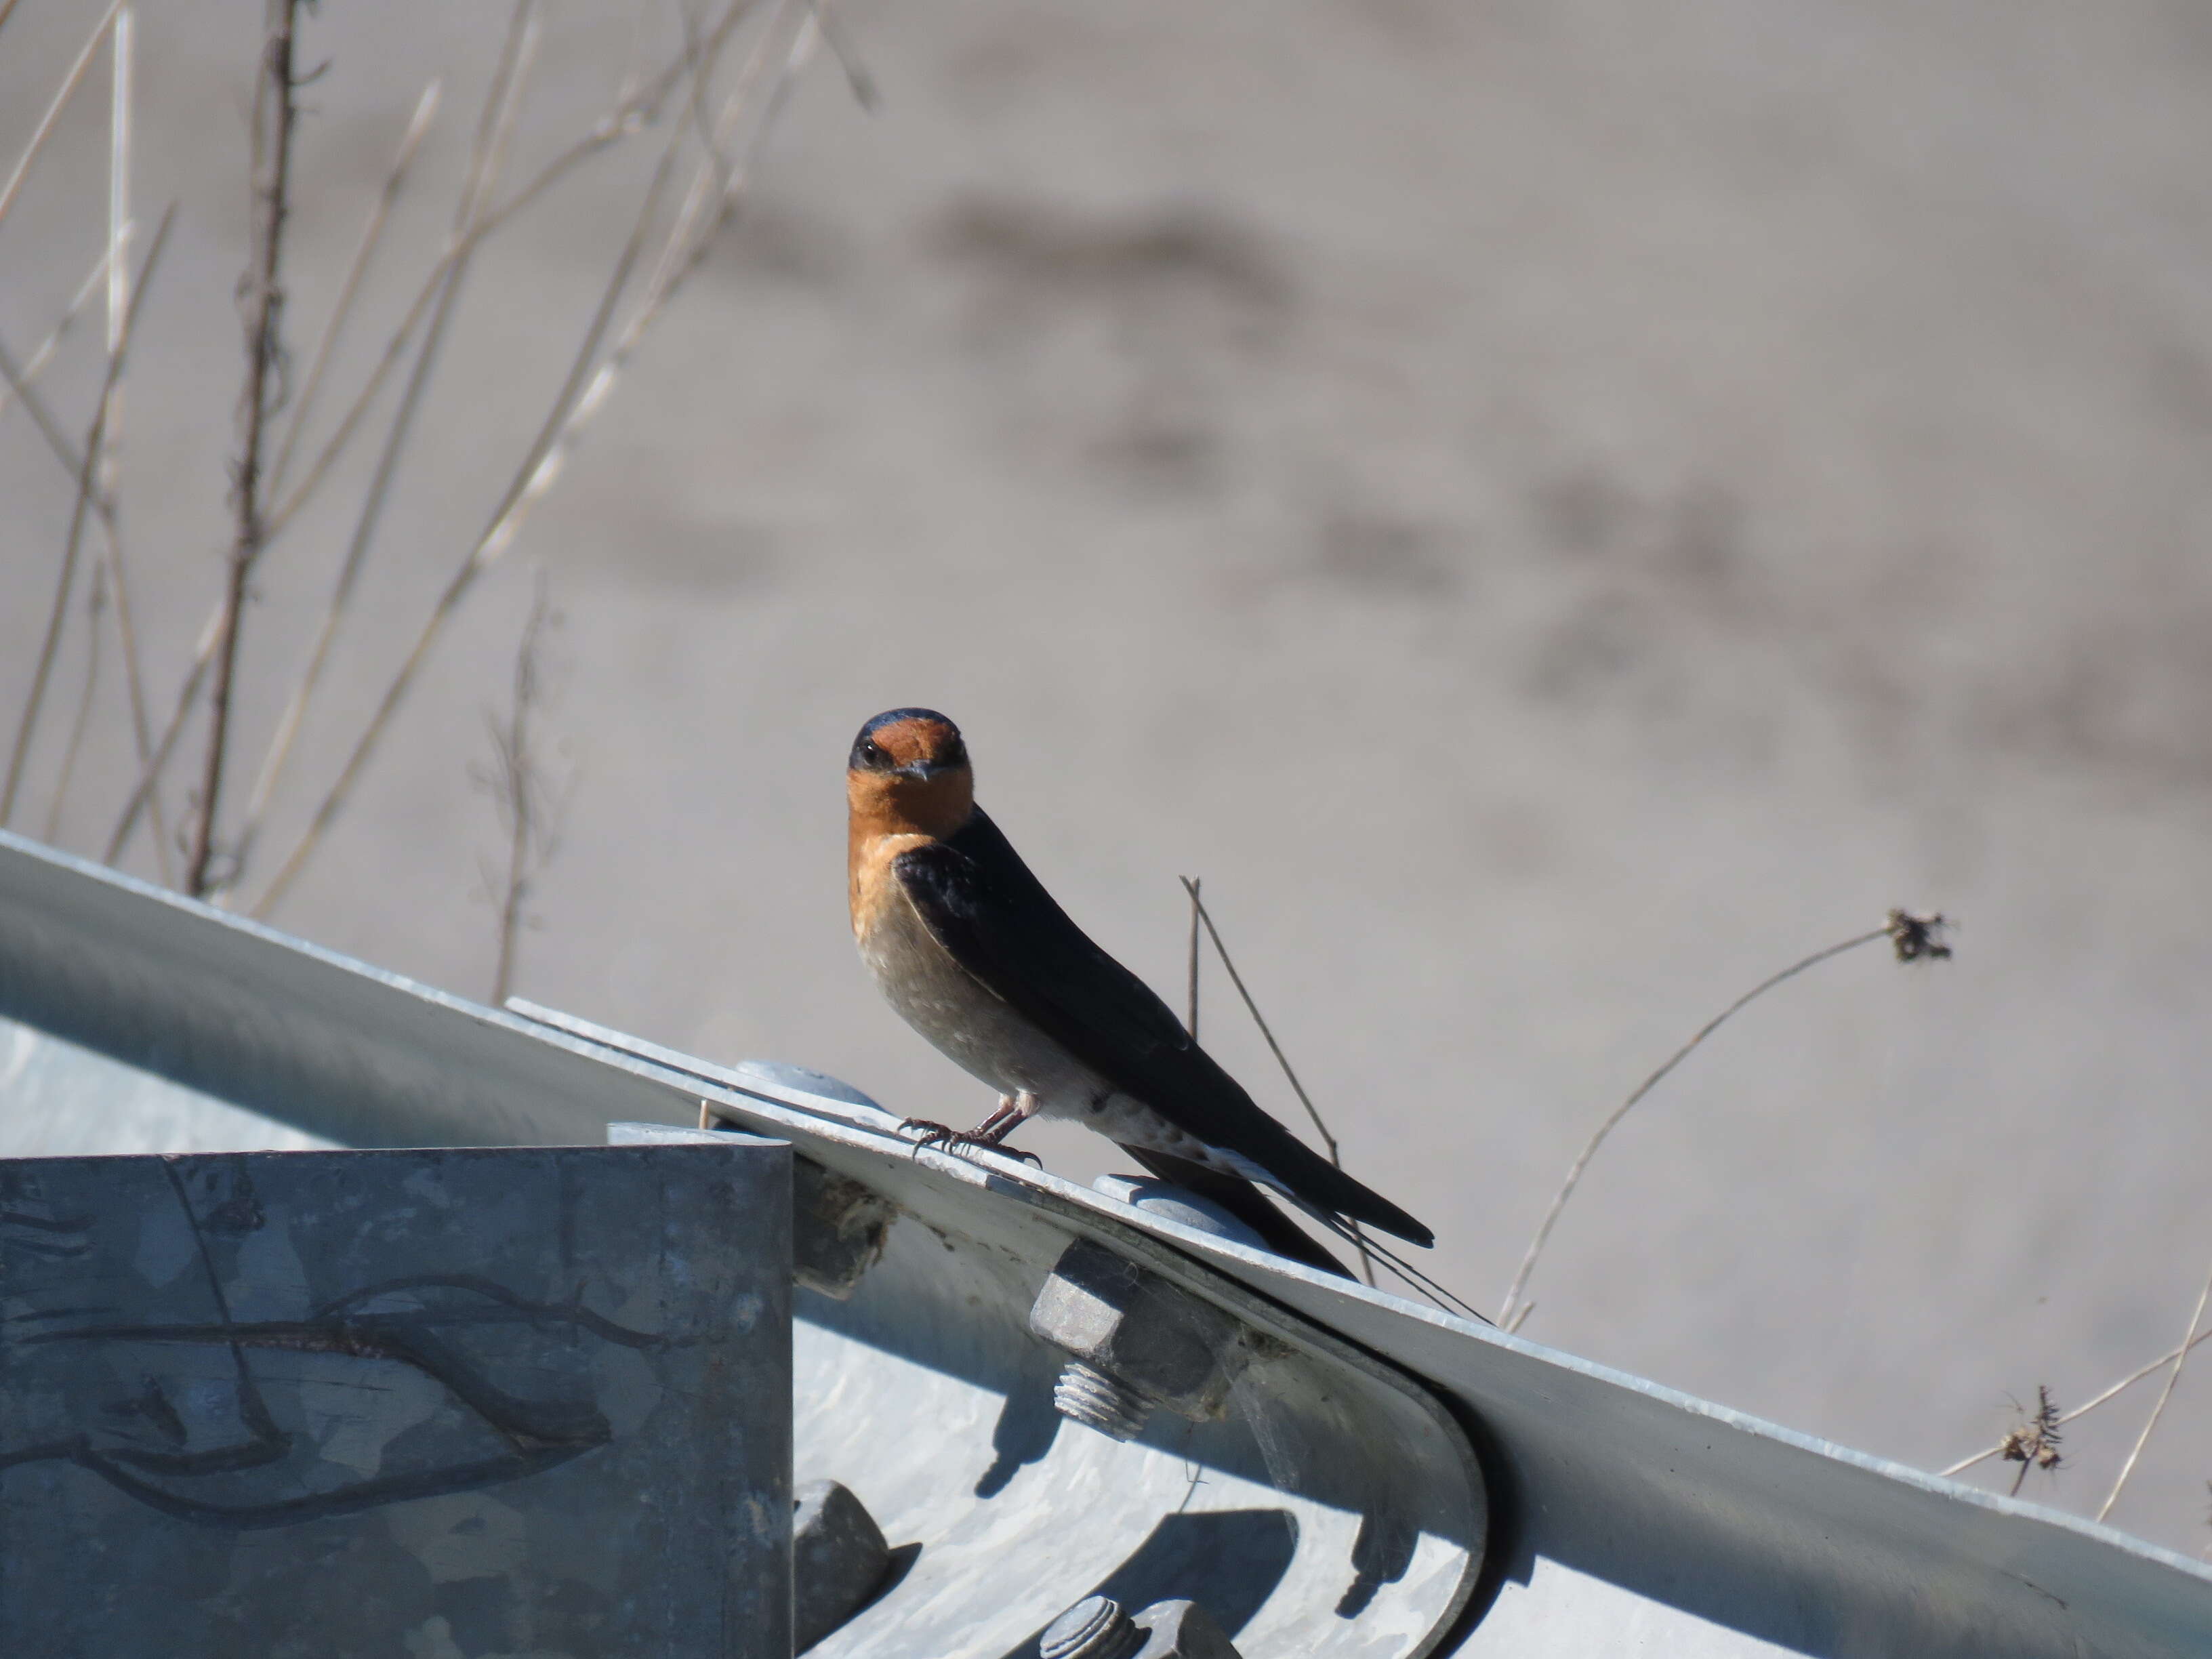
871, 752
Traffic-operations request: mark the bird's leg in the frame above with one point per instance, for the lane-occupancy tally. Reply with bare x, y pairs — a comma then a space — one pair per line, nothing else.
1013, 1110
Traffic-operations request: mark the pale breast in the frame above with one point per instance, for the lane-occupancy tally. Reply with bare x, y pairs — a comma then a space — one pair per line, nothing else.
945, 1002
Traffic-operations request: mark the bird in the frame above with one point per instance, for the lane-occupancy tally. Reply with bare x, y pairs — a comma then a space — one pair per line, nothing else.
968, 947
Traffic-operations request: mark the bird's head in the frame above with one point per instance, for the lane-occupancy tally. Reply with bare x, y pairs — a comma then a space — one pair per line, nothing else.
908, 774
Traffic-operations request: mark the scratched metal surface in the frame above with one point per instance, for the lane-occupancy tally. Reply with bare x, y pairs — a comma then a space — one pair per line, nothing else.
1627, 1517
325, 1404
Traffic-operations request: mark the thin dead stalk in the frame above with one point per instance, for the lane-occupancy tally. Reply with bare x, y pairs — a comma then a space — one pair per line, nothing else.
273, 113
495, 127
528, 811
2110, 1393
1190, 976
63, 94
86, 489
631, 116
143, 792
51, 834
372, 236
1190, 885
2172, 1377
1914, 938
571, 415
31, 367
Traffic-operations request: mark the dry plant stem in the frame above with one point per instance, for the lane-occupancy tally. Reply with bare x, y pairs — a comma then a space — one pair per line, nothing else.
1505, 1313
518, 780
2116, 1389
628, 119
122, 102
2172, 1377
51, 834
272, 158
142, 793
87, 476
1190, 977
540, 470
371, 235
7, 10
1359, 1240
35, 365
503, 103
70, 82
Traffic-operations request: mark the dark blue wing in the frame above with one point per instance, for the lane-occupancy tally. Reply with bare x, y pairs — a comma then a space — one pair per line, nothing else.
982, 905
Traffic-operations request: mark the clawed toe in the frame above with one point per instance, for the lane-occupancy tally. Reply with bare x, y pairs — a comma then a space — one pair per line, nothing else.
956, 1141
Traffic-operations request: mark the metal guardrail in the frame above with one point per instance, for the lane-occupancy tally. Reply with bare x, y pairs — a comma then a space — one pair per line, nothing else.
1331, 1505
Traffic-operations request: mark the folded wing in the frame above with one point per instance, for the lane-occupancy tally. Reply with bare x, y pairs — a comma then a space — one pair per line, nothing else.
982, 905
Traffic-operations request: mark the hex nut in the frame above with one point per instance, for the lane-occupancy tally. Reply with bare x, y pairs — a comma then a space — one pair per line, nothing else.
838, 1560
1183, 1629
837, 1229
1159, 1343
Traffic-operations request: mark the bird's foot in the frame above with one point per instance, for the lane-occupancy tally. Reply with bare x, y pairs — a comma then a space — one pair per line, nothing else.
946, 1138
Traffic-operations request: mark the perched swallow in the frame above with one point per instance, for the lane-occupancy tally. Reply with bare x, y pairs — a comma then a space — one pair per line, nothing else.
969, 948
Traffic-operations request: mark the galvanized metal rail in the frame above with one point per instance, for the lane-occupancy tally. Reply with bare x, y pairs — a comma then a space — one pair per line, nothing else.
1374, 1477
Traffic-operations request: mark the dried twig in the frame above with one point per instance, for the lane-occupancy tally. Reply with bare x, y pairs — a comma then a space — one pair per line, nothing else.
2113, 1392
686, 247
87, 486
31, 367
44, 130
528, 811
1914, 938
1190, 886
494, 129
2172, 1377
264, 301
51, 834
2035, 1443
371, 235
632, 115
639, 108
1190, 977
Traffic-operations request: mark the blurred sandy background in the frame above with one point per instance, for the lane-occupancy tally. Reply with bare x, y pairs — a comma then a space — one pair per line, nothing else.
1553, 510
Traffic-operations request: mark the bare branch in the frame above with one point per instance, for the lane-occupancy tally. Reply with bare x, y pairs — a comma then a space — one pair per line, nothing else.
87, 473
1912, 937
70, 82
2172, 1377
519, 791
495, 128
549, 455
631, 116
273, 167
27, 372
372, 233
51, 834
1198, 904
1190, 976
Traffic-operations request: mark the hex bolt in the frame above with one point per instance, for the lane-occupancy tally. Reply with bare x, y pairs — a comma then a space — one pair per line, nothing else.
838, 1560
1137, 1342
1095, 1400
1097, 1628
1092, 1629
1181, 1629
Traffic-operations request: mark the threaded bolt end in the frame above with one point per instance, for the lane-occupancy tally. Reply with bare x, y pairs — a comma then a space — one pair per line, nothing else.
1099, 1401
1093, 1629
